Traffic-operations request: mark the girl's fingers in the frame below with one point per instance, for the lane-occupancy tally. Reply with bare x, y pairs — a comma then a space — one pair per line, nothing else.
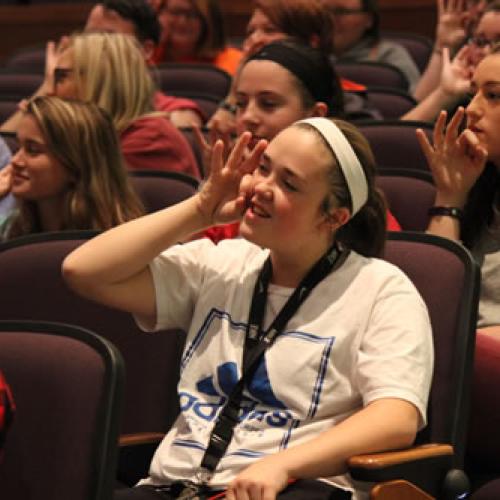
253, 160
199, 137
426, 146
451, 133
438, 133
238, 151
217, 159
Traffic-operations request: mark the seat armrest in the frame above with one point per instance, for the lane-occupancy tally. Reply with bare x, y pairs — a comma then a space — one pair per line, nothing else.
425, 466
135, 454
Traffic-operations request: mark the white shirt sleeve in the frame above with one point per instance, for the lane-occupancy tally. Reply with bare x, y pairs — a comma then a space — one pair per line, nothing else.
395, 358
178, 274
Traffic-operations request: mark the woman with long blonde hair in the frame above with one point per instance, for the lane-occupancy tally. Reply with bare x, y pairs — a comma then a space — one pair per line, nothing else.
68, 172
109, 70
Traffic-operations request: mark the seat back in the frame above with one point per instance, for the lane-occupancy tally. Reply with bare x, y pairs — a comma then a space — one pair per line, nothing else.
208, 103
418, 46
447, 278
409, 195
67, 385
392, 103
394, 142
19, 84
206, 79
28, 58
373, 74
32, 288
158, 189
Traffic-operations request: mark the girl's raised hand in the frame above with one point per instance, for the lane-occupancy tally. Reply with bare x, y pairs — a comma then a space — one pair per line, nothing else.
223, 196
5, 181
206, 145
452, 21
455, 159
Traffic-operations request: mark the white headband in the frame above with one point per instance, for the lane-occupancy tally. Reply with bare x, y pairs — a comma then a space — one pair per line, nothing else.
348, 161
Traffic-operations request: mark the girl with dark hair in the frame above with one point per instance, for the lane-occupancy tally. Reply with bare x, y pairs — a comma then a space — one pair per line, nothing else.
361, 380
465, 166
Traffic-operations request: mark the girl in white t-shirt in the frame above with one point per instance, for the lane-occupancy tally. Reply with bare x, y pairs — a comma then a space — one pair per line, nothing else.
350, 370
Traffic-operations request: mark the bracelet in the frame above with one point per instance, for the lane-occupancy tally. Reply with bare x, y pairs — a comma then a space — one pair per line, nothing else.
455, 212
228, 106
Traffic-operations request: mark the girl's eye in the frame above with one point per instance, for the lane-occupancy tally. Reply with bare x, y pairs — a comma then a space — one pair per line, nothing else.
493, 96
32, 149
263, 168
290, 186
268, 104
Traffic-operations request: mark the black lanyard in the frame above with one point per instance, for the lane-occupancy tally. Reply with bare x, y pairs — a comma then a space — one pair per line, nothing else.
257, 341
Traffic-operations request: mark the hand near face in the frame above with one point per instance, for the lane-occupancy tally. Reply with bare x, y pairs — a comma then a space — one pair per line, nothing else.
224, 197
456, 75
206, 144
5, 181
451, 26
455, 160
263, 480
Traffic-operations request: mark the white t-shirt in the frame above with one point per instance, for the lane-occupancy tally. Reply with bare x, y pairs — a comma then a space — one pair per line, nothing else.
363, 334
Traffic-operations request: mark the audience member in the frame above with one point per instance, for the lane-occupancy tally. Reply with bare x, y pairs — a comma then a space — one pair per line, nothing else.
193, 31
307, 21
361, 381
68, 172
109, 70
465, 166
356, 37
137, 18
303, 85
454, 84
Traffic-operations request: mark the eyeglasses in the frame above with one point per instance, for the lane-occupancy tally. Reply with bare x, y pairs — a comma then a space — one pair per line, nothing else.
344, 11
189, 14
60, 74
482, 42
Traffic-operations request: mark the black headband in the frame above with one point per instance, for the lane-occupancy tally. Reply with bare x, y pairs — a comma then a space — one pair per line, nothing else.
303, 67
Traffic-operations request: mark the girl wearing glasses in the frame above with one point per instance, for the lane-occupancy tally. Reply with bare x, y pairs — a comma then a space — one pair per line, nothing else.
193, 31
343, 375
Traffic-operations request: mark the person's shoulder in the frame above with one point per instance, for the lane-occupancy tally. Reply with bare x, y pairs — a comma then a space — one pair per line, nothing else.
376, 269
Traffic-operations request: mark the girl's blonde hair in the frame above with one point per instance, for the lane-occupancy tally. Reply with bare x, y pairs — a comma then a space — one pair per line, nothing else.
83, 139
110, 71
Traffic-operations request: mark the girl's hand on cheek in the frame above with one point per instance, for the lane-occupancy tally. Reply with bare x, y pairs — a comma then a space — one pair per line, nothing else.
221, 199
263, 480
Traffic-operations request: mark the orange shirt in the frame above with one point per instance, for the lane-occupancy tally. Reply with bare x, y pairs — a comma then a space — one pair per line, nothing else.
227, 59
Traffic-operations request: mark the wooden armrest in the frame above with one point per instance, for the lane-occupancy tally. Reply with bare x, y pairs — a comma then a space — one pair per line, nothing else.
396, 490
140, 438
135, 453
390, 458
425, 466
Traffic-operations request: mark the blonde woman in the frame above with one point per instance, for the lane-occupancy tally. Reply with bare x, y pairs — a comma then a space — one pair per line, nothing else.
109, 70
68, 172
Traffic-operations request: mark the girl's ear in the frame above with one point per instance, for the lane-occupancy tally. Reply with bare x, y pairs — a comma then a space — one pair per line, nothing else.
336, 218
319, 109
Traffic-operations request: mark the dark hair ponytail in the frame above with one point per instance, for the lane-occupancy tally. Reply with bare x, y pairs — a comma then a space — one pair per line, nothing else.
364, 233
